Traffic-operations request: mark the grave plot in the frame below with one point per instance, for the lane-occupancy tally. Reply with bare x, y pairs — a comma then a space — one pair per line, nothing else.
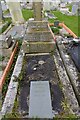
38, 38
69, 52
17, 31
39, 68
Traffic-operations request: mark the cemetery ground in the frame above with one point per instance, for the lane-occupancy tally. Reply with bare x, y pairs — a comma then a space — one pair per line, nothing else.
70, 21
29, 14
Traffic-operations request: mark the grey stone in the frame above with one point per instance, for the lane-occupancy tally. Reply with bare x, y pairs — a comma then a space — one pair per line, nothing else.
38, 24
66, 86
12, 88
40, 100
37, 6
63, 32
7, 42
39, 36
38, 47
15, 11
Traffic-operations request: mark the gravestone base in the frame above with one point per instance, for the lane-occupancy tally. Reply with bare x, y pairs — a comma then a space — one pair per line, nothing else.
38, 47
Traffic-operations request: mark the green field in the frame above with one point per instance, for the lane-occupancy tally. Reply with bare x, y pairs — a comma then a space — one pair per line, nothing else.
27, 14
71, 21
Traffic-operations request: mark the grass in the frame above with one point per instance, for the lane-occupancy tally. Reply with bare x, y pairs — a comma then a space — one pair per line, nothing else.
6, 12
70, 21
70, 7
5, 86
6, 25
55, 30
0, 68
27, 14
1, 58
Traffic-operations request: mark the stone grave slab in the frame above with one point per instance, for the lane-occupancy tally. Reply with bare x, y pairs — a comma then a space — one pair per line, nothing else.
40, 100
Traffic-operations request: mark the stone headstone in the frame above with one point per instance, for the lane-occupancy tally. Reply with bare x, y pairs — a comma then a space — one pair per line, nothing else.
74, 9
37, 6
56, 23
15, 11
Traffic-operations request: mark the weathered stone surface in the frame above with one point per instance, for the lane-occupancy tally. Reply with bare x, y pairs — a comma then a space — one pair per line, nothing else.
38, 47
37, 6
15, 11
12, 88
7, 52
63, 32
66, 86
39, 29
17, 31
7, 42
38, 25
39, 36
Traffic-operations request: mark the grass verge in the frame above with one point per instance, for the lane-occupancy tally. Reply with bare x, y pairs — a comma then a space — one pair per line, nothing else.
27, 14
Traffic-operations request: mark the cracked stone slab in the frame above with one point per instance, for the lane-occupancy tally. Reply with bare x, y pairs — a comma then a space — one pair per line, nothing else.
67, 88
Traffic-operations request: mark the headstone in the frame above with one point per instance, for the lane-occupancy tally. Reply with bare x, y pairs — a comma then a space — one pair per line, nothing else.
37, 6
15, 11
56, 23
4, 6
40, 100
74, 9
